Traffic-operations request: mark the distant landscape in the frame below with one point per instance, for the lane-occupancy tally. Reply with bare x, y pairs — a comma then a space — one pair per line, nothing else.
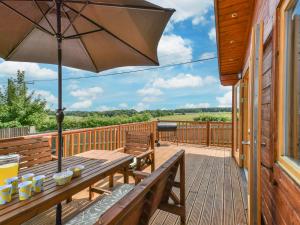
79, 119
20, 107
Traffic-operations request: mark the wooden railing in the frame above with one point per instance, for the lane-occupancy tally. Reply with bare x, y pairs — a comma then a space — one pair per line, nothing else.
15, 132
201, 133
113, 137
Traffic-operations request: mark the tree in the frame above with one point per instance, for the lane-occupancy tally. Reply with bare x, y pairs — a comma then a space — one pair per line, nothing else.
18, 106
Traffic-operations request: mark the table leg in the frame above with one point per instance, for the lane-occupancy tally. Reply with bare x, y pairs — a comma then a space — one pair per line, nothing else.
91, 193
126, 176
111, 180
69, 200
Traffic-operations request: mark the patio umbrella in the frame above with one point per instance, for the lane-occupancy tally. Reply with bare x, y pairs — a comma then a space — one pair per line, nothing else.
93, 35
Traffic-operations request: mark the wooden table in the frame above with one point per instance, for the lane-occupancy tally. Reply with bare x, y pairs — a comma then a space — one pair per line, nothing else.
98, 165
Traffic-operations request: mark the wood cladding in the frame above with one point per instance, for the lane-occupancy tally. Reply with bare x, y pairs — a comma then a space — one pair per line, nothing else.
233, 18
280, 193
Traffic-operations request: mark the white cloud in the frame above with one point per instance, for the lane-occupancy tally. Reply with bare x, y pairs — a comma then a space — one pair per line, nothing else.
87, 93
73, 85
80, 105
187, 9
105, 108
169, 28
198, 105
149, 91
173, 48
225, 100
123, 105
183, 81
225, 88
47, 96
149, 99
85, 96
32, 70
141, 106
207, 55
212, 34
199, 20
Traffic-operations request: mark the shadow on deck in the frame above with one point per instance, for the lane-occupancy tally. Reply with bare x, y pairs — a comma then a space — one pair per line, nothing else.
214, 189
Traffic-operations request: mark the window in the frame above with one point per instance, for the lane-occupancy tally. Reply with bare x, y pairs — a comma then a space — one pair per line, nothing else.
292, 84
289, 87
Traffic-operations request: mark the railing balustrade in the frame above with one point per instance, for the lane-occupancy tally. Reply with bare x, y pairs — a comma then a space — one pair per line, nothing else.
113, 137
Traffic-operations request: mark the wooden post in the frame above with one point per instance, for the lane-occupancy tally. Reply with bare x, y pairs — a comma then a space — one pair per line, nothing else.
50, 141
152, 141
78, 143
101, 139
84, 141
90, 140
111, 180
72, 144
126, 177
208, 134
186, 132
95, 139
182, 190
119, 137
111, 138
65, 146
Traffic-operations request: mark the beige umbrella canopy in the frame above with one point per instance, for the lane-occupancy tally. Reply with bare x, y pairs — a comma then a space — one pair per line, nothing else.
97, 34
93, 35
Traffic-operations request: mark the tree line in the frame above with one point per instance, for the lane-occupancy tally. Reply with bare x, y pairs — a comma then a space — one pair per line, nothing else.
21, 107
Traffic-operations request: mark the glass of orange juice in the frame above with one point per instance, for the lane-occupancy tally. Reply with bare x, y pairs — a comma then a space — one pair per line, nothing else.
9, 167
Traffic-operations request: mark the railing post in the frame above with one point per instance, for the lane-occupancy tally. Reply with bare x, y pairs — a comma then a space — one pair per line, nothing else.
72, 144
152, 140
208, 134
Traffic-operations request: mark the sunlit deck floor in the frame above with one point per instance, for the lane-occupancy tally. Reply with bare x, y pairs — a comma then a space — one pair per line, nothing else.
214, 189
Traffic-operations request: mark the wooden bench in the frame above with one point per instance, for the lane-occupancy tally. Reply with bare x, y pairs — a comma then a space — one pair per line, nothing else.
141, 146
129, 205
32, 150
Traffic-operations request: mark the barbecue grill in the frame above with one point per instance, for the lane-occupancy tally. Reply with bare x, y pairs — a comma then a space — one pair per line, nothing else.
166, 127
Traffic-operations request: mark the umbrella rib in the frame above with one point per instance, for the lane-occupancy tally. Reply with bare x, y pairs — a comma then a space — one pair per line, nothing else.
81, 34
73, 20
83, 44
44, 15
27, 18
121, 5
14, 49
113, 35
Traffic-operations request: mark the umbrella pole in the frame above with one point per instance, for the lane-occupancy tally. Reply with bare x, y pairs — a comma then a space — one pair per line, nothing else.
59, 113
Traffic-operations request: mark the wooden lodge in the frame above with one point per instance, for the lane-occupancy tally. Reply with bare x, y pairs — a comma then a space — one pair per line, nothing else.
258, 48
244, 172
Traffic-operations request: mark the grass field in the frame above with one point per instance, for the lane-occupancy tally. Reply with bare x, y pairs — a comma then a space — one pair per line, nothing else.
192, 116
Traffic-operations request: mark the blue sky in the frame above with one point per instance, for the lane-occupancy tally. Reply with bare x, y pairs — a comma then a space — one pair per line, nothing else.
190, 35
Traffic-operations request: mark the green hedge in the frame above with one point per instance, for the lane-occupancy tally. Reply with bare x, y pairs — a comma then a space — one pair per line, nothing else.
93, 121
213, 117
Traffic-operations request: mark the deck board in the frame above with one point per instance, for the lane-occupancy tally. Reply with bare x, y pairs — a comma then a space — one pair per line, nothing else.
213, 189
217, 215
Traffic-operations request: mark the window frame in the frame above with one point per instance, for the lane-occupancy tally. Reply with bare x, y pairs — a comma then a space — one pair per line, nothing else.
284, 161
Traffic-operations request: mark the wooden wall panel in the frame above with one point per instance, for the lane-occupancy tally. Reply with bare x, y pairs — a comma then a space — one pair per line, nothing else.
280, 194
264, 10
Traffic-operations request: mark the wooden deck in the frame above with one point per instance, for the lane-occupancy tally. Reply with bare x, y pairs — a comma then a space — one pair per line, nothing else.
214, 189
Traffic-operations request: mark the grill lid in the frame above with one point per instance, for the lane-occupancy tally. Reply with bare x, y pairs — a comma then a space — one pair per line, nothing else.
166, 126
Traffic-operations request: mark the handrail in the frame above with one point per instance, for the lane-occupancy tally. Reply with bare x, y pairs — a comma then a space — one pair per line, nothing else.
113, 137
